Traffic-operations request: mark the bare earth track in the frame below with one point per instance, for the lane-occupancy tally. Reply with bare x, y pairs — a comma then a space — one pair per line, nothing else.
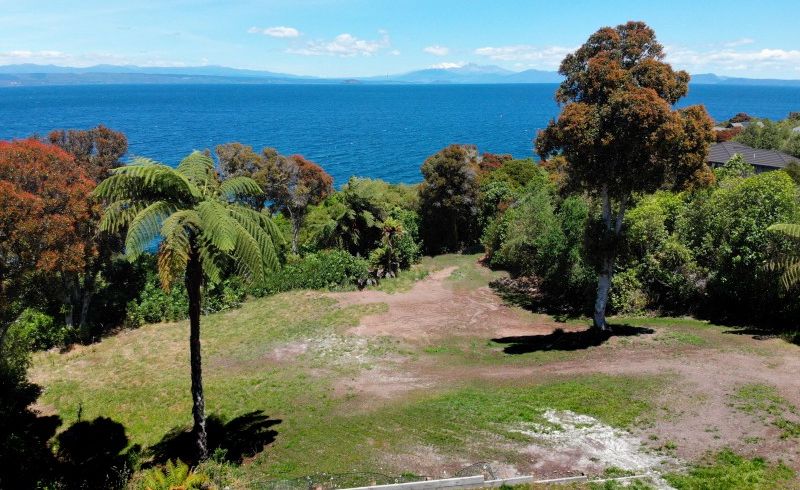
697, 414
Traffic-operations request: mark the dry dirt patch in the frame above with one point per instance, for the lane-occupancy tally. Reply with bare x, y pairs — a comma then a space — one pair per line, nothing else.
695, 414
434, 309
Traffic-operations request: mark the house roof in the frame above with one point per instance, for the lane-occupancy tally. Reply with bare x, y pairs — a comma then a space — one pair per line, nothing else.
720, 153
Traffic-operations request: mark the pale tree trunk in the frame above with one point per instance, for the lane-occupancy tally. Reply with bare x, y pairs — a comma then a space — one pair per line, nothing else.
603, 288
86, 295
295, 218
295, 233
85, 303
70, 294
612, 228
194, 277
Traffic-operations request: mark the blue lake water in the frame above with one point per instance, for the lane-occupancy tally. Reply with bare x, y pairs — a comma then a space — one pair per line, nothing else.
383, 131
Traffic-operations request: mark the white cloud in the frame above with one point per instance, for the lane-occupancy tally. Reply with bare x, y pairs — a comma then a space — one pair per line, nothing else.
437, 50
277, 31
446, 65
43, 57
344, 45
754, 62
395, 52
542, 57
740, 42
25, 55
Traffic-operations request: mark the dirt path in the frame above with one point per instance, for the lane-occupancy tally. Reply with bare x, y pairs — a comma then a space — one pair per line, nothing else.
434, 309
696, 412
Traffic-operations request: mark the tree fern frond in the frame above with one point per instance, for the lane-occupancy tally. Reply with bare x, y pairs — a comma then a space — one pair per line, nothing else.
247, 253
791, 273
185, 218
119, 214
210, 259
217, 225
272, 229
144, 228
153, 178
789, 229
199, 168
253, 224
237, 187
178, 231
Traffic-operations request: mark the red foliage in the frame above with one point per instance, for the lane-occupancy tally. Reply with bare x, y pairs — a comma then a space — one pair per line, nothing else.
741, 117
43, 205
317, 183
491, 161
727, 134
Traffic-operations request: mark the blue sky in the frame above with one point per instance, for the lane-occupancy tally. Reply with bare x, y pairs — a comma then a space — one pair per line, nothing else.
378, 37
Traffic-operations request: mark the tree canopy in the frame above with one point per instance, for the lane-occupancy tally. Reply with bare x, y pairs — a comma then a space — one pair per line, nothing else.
449, 198
43, 207
618, 131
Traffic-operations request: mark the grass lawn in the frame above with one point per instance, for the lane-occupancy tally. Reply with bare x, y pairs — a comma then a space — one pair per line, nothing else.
440, 402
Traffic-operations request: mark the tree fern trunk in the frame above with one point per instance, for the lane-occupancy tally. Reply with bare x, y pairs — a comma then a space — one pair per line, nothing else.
194, 278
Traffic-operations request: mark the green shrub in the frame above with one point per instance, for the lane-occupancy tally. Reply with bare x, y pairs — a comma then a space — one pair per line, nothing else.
39, 329
156, 305
626, 293
726, 228
328, 269
407, 246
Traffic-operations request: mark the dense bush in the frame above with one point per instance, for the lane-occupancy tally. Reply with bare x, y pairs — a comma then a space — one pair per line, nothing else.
156, 305
726, 228
39, 330
541, 236
772, 135
327, 269
700, 252
449, 199
407, 246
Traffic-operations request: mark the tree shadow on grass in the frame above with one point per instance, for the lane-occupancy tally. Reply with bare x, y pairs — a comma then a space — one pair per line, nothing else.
92, 454
239, 438
560, 340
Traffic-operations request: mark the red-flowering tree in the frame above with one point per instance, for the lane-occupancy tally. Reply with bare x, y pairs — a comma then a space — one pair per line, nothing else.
44, 207
619, 134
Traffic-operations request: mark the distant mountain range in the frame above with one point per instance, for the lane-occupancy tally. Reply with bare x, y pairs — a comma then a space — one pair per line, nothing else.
31, 74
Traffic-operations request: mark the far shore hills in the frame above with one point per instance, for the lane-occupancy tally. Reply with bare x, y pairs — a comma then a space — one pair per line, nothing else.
20, 75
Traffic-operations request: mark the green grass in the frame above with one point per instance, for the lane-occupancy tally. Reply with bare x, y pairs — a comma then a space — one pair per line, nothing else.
727, 470
686, 338
140, 378
404, 280
465, 422
763, 402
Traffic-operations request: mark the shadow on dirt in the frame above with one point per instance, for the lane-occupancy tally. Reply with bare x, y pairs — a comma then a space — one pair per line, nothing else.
560, 340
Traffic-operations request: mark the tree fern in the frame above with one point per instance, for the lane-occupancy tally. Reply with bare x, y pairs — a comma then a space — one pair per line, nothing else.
790, 265
174, 476
203, 231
